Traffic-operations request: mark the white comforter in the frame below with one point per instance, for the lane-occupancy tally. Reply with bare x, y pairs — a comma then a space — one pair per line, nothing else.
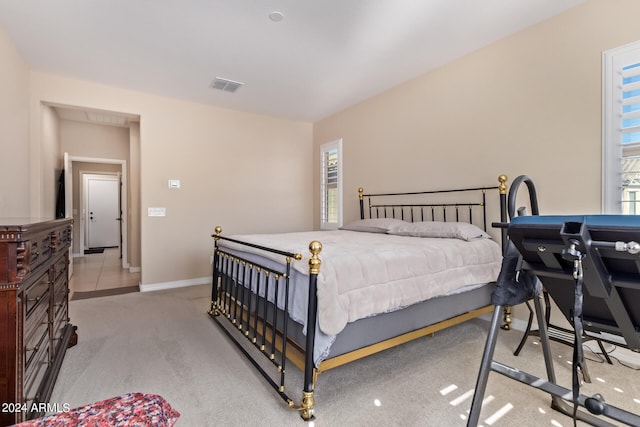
364, 274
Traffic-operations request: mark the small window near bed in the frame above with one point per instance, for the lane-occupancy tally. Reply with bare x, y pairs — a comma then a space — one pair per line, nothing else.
331, 185
621, 129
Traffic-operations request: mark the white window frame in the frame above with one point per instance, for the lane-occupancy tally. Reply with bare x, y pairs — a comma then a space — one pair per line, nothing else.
613, 61
324, 149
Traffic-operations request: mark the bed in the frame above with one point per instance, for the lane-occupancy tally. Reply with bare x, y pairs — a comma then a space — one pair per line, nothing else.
413, 264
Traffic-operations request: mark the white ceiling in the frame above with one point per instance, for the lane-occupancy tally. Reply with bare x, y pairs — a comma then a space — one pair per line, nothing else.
324, 56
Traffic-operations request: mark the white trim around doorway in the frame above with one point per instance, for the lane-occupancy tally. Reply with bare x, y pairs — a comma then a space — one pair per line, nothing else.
124, 197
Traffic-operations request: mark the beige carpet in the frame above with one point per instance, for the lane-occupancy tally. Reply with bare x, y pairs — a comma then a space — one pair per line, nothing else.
164, 343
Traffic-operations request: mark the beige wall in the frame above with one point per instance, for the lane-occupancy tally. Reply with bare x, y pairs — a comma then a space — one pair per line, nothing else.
245, 172
14, 131
529, 104
92, 140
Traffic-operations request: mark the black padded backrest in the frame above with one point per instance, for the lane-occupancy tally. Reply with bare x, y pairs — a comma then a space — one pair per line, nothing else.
611, 277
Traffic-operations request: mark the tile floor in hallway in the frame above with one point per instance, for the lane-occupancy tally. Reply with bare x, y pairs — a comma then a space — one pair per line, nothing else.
93, 272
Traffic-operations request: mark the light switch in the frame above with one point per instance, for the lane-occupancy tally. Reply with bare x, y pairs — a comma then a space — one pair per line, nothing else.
157, 211
174, 183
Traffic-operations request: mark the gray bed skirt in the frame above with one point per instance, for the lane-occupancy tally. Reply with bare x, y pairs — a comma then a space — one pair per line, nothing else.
372, 330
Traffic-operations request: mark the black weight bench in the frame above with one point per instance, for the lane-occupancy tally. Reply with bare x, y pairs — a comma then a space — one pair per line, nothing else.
590, 266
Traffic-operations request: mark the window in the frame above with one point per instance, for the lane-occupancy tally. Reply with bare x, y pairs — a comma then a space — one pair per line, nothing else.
331, 185
633, 202
621, 129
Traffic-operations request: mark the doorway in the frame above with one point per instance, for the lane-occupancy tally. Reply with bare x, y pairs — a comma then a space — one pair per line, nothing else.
75, 199
101, 142
102, 211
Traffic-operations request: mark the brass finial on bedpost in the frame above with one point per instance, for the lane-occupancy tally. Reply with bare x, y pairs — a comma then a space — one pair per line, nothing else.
502, 188
360, 193
218, 231
314, 262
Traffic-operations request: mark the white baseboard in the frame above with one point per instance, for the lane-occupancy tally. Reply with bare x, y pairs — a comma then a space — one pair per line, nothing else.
173, 285
626, 357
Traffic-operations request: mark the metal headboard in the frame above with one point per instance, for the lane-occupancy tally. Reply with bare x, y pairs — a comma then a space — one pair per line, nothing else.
471, 200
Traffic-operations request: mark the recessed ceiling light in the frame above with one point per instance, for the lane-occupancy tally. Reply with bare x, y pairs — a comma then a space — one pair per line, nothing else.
276, 16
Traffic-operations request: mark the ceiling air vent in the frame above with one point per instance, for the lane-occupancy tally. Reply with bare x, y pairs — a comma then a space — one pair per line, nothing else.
225, 84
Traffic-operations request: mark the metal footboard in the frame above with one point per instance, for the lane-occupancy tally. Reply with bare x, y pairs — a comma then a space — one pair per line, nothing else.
254, 301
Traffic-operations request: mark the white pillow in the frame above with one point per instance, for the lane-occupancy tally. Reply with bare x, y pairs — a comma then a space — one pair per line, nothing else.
451, 230
374, 225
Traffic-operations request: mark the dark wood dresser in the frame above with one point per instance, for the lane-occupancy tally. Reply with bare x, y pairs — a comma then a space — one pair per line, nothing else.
35, 331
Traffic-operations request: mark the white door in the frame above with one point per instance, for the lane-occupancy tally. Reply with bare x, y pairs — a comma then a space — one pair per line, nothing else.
103, 211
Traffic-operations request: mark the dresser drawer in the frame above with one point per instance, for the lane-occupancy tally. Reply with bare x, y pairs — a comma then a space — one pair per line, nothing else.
60, 296
37, 369
60, 239
36, 293
60, 268
59, 324
33, 344
38, 251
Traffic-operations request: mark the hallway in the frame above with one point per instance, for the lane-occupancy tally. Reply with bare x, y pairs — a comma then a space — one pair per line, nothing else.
97, 272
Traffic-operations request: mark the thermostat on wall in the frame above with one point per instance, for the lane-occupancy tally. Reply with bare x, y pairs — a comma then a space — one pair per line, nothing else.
174, 183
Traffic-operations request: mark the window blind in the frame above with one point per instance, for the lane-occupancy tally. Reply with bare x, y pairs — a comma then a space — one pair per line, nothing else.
631, 104
630, 137
331, 185
621, 129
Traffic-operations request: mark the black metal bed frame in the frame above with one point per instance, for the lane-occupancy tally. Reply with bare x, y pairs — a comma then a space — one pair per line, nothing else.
265, 327
432, 210
256, 319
